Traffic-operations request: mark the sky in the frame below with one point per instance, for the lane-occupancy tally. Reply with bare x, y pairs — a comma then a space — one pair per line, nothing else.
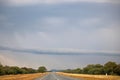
59, 34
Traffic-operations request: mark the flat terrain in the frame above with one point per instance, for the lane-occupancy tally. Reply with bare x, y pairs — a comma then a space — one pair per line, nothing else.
22, 76
90, 77
54, 76
58, 76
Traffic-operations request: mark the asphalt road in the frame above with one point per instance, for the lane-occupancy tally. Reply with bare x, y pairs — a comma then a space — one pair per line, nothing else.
54, 76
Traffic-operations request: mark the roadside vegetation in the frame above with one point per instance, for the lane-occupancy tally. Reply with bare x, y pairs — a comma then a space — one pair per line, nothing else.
109, 68
8, 70
90, 77
22, 76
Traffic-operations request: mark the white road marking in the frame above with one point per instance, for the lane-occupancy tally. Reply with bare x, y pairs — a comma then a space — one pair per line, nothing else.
55, 76
44, 77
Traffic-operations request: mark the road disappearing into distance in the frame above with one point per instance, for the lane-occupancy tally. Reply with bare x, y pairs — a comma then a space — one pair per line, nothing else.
55, 76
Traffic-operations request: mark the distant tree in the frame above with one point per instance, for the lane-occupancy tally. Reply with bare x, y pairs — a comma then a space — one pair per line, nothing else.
98, 66
93, 69
78, 70
117, 69
25, 70
30, 70
2, 72
6, 70
87, 69
0, 64
42, 69
16, 70
99, 69
109, 67
68, 71
96, 71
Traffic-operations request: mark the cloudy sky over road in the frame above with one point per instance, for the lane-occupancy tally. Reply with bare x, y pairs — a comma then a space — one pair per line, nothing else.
59, 33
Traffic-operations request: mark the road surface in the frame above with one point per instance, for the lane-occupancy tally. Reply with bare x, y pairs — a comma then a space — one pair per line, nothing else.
54, 76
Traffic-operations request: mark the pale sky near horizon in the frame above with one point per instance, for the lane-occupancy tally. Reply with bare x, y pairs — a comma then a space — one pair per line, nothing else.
59, 34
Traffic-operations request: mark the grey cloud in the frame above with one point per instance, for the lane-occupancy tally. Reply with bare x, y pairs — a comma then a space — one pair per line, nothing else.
61, 52
53, 35
54, 61
64, 34
33, 2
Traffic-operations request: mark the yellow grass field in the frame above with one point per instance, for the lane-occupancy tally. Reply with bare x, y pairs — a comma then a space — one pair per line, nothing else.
91, 77
22, 76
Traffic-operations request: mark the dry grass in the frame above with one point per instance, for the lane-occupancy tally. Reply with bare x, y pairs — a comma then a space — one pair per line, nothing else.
22, 76
91, 77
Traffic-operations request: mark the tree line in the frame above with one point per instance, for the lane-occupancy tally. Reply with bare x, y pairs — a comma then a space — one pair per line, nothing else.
110, 68
7, 70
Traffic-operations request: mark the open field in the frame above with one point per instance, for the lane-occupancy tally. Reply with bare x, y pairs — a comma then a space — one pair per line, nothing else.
22, 76
91, 77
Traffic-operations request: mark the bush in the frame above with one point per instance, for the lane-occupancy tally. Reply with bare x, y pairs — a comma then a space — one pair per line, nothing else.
110, 68
6, 70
